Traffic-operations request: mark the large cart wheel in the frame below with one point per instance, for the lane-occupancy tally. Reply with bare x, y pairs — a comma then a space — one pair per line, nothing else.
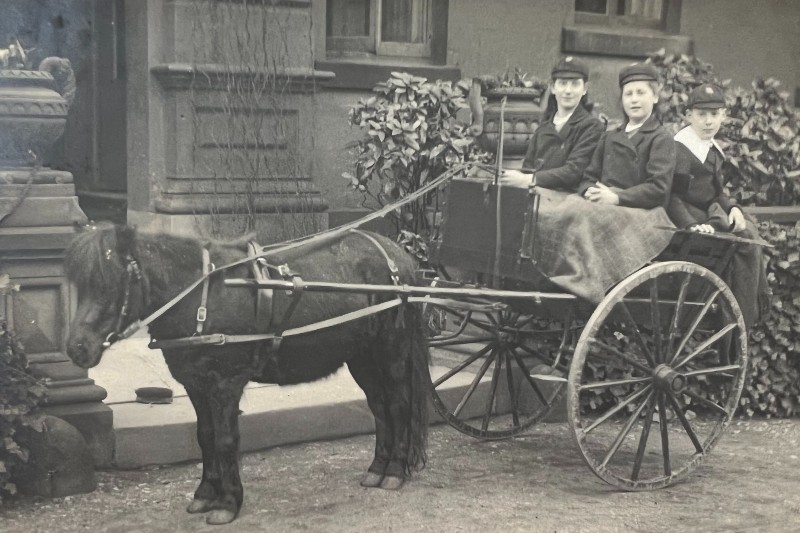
498, 380
656, 375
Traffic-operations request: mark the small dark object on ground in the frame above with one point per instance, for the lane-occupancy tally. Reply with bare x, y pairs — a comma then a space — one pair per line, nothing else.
153, 395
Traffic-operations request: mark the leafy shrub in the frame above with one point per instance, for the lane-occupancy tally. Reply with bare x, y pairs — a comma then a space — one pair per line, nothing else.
773, 388
20, 394
411, 137
761, 136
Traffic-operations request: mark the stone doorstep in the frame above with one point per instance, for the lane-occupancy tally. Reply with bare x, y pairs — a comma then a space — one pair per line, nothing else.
271, 416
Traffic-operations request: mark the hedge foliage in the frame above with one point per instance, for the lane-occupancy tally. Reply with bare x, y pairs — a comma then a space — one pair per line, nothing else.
20, 396
773, 388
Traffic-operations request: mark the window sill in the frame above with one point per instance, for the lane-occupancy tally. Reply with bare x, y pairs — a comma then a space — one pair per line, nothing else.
621, 43
364, 73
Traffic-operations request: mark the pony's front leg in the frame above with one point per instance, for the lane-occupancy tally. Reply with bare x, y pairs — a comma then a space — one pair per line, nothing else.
209, 488
224, 400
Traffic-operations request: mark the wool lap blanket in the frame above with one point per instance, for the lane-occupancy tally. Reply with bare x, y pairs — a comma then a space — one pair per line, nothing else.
587, 248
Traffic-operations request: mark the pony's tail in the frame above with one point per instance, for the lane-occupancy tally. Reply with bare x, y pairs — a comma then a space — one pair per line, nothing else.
419, 359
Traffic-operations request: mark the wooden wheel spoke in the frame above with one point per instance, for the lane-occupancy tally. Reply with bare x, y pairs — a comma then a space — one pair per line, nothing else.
625, 430
617, 353
705, 401
474, 385
512, 393
687, 426
638, 337
706, 343
664, 430
460, 341
693, 327
531, 382
676, 315
606, 384
655, 320
721, 370
461, 366
648, 421
487, 414
617, 408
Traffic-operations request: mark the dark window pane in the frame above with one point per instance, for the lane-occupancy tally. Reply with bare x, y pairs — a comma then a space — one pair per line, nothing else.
348, 18
643, 9
397, 19
591, 6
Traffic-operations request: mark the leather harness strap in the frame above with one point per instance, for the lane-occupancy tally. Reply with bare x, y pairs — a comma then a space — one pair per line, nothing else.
297, 291
202, 311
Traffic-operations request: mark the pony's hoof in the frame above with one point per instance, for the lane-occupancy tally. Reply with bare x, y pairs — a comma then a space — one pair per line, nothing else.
371, 479
199, 505
220, 516
392, 482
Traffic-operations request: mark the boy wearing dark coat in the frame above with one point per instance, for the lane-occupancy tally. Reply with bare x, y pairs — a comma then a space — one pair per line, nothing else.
698, 201
633, 165
562, 146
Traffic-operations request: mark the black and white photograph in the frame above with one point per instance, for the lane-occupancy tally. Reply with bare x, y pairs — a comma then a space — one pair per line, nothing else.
339, 266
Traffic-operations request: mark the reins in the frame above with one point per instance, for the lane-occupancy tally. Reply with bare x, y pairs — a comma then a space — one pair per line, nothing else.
273, 249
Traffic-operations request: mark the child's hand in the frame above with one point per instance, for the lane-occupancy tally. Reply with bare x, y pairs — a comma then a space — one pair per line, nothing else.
736, 220
601, 194
702, 228
515, 178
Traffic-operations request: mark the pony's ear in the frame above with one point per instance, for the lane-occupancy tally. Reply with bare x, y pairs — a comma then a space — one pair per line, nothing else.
126, 237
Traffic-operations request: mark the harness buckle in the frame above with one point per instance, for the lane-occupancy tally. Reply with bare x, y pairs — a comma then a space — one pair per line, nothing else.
202, 312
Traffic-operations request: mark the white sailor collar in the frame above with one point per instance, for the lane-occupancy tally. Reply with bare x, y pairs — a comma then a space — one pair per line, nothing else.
699, 148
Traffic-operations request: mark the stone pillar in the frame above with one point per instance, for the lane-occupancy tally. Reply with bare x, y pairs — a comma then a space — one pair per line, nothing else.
38, 213
182, 69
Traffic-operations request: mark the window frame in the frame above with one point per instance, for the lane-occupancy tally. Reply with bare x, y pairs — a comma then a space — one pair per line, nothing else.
612, 19
372, 44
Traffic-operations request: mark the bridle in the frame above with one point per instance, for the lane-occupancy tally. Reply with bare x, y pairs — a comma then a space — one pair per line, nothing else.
133, 276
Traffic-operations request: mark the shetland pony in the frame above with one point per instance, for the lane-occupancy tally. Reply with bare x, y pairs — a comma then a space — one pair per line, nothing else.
122, 276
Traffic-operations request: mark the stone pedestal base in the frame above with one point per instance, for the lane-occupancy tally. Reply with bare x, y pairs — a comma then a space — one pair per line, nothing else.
38, 213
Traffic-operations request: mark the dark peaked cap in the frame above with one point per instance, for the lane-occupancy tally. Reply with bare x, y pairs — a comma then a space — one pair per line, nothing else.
706, 96
570, 68
638, 72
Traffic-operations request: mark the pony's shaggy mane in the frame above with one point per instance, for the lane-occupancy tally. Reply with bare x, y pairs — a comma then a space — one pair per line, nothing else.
92, 259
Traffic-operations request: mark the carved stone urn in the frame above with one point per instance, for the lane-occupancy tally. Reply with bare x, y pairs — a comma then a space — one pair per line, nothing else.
523, 111
33, 111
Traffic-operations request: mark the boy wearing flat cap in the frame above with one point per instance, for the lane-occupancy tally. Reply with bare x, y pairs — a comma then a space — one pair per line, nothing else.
561, 147
698, 201
633, 165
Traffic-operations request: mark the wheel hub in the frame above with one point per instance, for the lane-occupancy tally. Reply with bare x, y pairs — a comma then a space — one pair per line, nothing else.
666, 378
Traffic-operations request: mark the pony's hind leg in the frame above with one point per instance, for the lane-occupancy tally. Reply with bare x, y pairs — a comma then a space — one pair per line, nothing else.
402, 353
209, 488
367, 375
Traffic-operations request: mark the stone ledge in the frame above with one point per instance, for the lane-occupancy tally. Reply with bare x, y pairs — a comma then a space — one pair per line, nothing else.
361, 74
218, 76
604, 41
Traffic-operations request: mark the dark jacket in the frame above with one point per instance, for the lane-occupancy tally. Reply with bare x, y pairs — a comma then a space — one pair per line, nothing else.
696, 187
639, 168
562, 156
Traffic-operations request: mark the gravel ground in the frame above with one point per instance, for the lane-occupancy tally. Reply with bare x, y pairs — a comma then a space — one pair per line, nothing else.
538, 482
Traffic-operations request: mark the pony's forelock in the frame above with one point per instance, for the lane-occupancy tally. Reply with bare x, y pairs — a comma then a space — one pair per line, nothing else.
92, 260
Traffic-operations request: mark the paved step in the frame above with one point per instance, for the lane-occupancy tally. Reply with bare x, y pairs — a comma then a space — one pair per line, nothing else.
158, 434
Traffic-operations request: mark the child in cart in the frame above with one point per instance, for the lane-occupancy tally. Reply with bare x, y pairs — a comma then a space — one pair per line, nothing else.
698, 200
633, 165
562, 145
588, 242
